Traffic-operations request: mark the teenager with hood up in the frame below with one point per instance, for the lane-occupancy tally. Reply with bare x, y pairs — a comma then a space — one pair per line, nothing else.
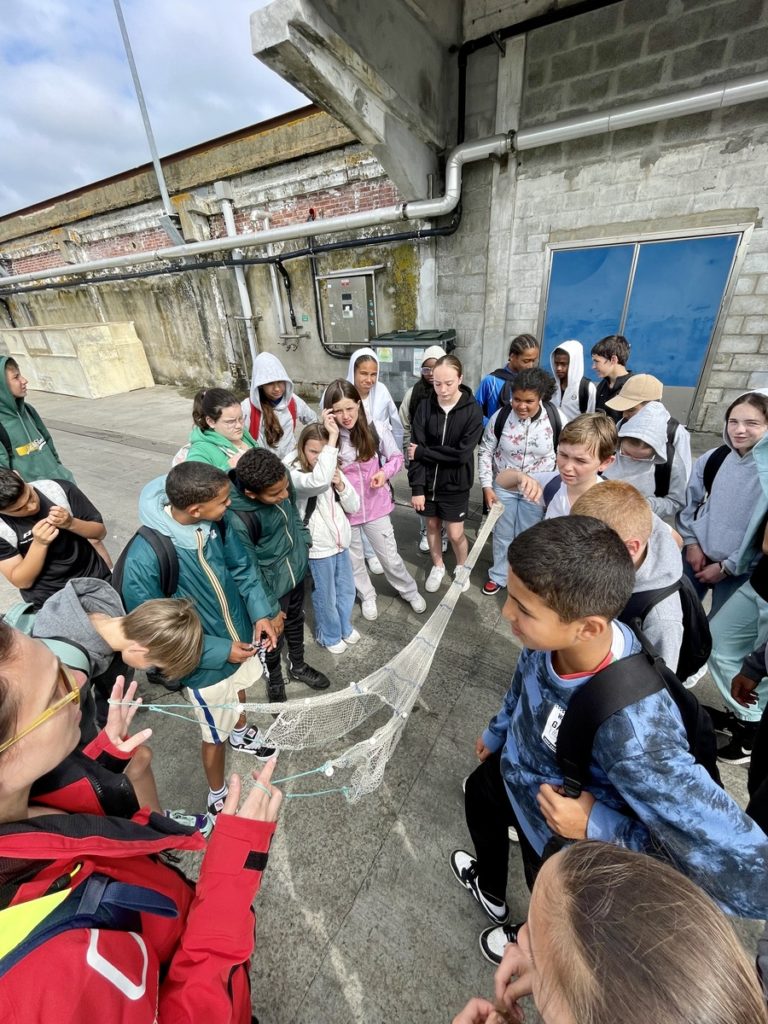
575, 393
642, 450
446, 430
721, 524
273, 410
26, 444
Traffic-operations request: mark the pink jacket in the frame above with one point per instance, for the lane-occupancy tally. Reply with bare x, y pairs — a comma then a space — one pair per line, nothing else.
375, 502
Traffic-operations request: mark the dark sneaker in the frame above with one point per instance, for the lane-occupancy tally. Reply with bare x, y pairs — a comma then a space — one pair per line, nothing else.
304, 673
722, 720
490, 588
251, 743
464, 868
494, 940
739, 749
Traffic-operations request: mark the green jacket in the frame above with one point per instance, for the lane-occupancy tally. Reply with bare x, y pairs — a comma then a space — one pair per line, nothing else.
211, 447
229, 600
281, 549
26, 445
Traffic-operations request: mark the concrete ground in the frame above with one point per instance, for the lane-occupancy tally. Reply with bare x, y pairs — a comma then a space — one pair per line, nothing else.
359, 918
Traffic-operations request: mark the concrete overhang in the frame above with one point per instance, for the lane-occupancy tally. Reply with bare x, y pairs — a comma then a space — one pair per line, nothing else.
383, 70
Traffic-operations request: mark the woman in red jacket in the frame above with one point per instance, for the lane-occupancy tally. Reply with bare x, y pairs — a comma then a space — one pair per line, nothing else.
94, 925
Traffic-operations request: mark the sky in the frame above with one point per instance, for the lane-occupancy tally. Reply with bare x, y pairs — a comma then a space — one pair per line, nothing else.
69, 114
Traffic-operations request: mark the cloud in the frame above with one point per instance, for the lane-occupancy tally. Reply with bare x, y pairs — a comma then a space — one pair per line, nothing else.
70, 115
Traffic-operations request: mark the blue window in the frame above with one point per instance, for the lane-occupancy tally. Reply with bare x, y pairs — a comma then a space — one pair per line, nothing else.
664, 296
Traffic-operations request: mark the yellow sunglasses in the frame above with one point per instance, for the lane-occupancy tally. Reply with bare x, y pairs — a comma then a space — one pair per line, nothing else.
68, 683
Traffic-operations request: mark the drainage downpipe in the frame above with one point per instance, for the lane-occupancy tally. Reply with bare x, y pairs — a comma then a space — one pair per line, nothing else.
242, 287
713, 97
468, 152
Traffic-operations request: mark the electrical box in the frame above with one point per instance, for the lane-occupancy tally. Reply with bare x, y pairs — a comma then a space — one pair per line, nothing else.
349, 309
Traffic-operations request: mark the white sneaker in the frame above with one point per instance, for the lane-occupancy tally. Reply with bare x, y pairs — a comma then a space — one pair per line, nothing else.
353, 637
375, 566
418, 604
466, 584
370, 611
434, 579
423, 543
338, 648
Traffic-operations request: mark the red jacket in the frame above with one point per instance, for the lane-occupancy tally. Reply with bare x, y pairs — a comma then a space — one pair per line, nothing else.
190, 967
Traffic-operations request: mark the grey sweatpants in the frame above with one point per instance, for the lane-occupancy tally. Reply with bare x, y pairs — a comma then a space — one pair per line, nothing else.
381, 535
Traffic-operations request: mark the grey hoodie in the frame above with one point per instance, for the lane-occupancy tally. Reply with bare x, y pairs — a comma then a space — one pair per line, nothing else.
719, 523
266, 369
663, 625
650, 425
567, 401
65, 614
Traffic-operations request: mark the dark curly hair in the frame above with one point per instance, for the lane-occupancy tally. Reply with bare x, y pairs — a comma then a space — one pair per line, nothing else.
535, 379
258, 469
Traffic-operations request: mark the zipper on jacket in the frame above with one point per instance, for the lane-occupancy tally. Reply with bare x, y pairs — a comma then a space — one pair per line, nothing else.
217, 587
434, 482
290, 541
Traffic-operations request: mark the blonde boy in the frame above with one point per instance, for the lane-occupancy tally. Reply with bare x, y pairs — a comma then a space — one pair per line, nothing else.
587, 446
654, 552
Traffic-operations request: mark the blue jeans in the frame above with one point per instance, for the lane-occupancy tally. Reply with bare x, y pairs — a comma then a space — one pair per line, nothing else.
517, 516
720, 591
739, 628
333, 597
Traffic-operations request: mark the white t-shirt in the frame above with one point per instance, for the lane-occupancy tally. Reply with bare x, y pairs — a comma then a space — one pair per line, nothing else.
560, 505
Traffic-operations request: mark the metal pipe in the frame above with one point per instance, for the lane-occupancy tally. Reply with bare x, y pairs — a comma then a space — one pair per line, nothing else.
242, 287
144, 113
496, 145
711, 97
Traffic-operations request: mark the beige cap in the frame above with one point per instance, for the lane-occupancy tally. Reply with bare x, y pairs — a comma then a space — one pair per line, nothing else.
433, 352
641, 387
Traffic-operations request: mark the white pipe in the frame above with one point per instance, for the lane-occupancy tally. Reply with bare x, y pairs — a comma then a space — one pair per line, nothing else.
680, 104
496, 145
242, 287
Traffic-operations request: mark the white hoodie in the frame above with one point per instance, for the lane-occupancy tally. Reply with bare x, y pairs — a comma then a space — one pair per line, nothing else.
379, 404
328, 525
650, 426
266, 369
568, 400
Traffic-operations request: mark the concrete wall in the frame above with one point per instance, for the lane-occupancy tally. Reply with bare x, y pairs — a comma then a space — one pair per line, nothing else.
190, 323
682, 174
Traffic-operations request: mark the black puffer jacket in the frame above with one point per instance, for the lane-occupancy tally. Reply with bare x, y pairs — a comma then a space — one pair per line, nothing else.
444, 461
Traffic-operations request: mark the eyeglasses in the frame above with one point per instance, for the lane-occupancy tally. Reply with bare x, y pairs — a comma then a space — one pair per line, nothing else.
232, 423
427, 371
65, 681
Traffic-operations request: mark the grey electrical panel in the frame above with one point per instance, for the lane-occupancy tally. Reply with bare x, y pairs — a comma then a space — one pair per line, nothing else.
349, 309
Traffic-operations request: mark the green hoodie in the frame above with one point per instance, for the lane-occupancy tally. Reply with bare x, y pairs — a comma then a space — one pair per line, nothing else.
27, 446
213, 448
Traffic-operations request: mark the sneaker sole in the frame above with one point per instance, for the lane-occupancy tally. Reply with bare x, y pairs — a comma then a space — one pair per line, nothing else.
743, 759
252, 753
471, 892
489, 956
489, 593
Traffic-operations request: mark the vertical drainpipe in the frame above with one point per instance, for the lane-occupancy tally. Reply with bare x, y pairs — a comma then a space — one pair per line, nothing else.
223, 192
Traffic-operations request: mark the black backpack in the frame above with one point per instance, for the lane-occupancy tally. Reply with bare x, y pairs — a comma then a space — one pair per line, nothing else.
663, 473
713, 464
552, 413
584, 394
697, 638
619, 685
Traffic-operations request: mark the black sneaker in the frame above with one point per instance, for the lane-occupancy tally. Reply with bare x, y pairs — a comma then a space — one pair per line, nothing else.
494, 940
722, 720
304, 673
464, 868
739, 749
276, 692
251, 743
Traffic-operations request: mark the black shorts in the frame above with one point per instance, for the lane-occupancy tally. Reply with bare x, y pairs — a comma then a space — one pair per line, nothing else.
451, 508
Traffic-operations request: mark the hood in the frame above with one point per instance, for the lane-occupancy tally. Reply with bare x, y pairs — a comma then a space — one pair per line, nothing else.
152, 512
377, 402
355, 356
8, 404
267, 368
66, 614
575, 352
661, 567
650, 426
210, 437
752, 391
433, 352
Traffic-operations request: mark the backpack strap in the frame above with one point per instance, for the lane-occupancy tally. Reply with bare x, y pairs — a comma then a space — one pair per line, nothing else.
663, 473
713, 464
584, 394
551, 489
641, 602
293, 410
6, 443
502, 417
254, 422
613, 688
54, 492
311, 506
165, 553
251, 522
555, 422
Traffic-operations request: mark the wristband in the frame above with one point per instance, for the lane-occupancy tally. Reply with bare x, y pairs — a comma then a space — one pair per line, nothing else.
724, 569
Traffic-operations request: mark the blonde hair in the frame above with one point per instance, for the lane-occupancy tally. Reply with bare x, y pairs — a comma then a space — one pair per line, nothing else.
596, 431
172, 633
634, 940
620, 506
